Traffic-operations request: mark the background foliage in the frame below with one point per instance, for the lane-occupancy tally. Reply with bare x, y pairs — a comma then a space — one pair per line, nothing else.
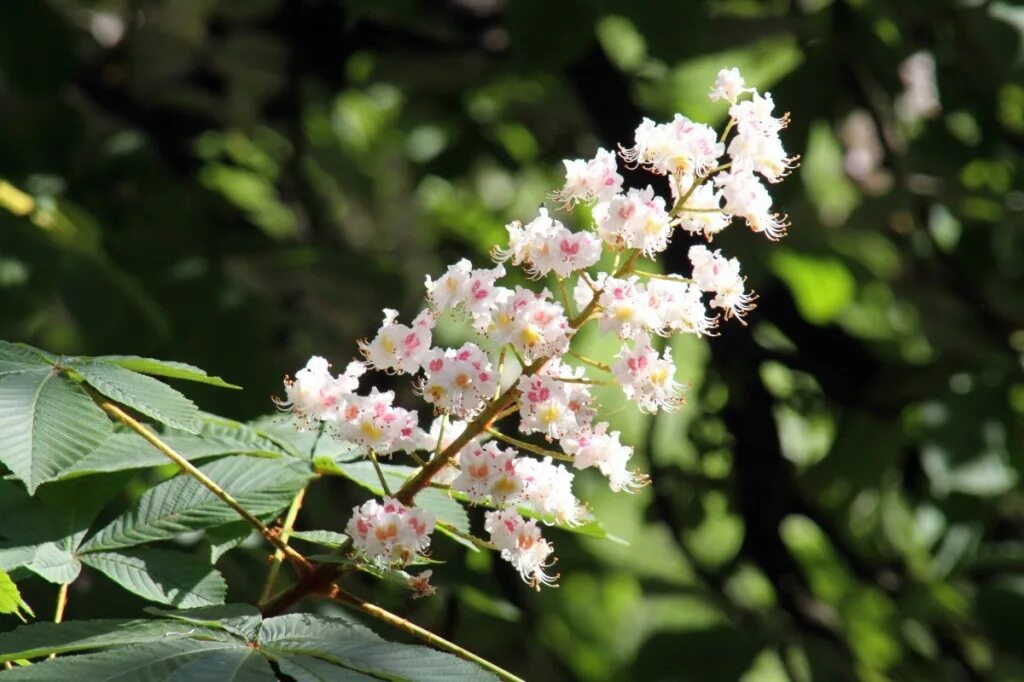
241, 183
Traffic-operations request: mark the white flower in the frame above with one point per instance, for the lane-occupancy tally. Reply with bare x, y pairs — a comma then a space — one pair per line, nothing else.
390, 532
585, 180
636, 220
626, 309
374, 423
547, 489
728, 86
463, 287
754, 116
703, 212
521, 545
550, 405
746, 197
450, 288
647, 378
397, 347
595, 447
534, 325
713, 272
488, 471
546, 245
428, 441
314, 394
680, 147
680, 307
458, 382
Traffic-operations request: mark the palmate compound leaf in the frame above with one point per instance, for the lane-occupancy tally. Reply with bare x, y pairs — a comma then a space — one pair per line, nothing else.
47, 424
151, 397
261, 485
165, 368
172, 578
225, 643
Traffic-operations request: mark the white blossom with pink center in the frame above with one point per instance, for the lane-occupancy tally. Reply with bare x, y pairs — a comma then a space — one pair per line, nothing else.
458, 381
521, 544
397, 347
388, 532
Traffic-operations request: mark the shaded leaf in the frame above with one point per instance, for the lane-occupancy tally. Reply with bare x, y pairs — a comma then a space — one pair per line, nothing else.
242, 620
262, 486
342, 642
223, 539
43, 639
324, 538
55, 564
159, 575
152, 661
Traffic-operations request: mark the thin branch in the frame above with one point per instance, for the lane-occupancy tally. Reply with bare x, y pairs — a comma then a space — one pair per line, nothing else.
597, 364
530, 447
380, 473
117, 413
286, 533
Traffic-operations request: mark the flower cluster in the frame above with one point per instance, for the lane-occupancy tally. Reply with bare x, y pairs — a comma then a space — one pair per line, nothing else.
389, 531
475, 391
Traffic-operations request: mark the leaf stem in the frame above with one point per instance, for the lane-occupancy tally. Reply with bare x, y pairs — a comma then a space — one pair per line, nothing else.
62, 603
529, 447
415, 630
286, 532
380, 473
667, 278
597, 364
300, 562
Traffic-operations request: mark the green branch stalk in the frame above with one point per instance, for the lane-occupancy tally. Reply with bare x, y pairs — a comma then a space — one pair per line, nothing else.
300, 562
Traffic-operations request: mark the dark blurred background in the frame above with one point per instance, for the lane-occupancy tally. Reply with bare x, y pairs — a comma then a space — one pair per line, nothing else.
242, 183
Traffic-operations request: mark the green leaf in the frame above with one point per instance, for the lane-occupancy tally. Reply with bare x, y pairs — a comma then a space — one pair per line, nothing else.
127, 450
346, 644
151, 662
223, 539
42, 532
308, 669
218, 436
262, 486
55, 564
165, 368
10, 598
43, 639
242, 620
324, 538
47, 424
159, 575
15, 359
145, 394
